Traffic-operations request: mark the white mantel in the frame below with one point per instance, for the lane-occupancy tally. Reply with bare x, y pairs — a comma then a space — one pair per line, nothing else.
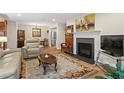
88, 34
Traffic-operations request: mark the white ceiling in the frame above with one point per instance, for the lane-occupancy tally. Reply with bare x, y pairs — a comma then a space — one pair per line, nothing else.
42, 17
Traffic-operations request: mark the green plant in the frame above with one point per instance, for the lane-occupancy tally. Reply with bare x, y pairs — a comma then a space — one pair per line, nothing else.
113, 73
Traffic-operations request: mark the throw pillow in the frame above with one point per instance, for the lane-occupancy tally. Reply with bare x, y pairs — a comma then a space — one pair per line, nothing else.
33, 45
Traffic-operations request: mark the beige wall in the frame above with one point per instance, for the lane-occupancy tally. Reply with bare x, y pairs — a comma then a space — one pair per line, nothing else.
28, 31
60, 35
12, 28
11, 35
110, 23
107, 23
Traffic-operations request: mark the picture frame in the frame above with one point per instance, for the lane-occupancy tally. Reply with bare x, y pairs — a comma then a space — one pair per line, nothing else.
86, 23
36, 32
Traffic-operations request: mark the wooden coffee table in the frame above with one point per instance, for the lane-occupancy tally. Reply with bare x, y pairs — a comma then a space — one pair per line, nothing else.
47, 61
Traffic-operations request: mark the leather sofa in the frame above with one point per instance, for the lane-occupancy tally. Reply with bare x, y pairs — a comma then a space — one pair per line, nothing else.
10, 64
32, 48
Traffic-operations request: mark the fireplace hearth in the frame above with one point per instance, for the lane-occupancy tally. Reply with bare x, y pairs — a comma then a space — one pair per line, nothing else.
85, 49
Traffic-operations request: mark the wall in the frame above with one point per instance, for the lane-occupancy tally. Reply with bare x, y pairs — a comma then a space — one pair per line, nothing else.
110, 23
12, 28
11, 35
60, 35
28, 31
70, 22
107, 23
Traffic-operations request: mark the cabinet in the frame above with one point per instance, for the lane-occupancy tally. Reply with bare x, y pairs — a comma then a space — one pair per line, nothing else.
3, 31
69, 38
20, 38
3, 26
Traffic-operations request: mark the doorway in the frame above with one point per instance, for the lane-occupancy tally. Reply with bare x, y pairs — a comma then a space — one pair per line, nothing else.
53, 36
20, 38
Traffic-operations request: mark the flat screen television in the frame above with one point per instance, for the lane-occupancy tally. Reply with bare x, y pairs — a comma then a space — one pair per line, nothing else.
113, 44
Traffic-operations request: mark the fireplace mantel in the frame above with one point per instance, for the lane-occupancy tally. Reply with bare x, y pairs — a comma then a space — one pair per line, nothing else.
88, 34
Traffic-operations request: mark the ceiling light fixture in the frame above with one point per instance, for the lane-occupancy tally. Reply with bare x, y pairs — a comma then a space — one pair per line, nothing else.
18, 14
53, 20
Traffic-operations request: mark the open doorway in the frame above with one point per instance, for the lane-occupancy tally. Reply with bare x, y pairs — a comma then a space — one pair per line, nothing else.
53, 36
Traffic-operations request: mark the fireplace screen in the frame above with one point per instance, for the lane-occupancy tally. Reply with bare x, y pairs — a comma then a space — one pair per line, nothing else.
85, 49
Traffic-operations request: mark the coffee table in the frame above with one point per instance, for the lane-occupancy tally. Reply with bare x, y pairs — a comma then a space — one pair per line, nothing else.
47, 61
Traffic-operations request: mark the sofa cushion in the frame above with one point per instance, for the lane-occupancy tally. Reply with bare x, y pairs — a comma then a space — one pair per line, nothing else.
33, 45
33, 51
9, 51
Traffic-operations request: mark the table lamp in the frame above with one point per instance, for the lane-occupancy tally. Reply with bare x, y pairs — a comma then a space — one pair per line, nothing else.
2, 40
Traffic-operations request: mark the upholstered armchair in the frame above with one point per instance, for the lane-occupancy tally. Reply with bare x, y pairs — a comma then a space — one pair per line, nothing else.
64, 47
32, 48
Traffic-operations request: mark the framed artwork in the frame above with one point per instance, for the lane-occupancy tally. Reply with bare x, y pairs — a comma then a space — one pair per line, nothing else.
86, 23
36, 32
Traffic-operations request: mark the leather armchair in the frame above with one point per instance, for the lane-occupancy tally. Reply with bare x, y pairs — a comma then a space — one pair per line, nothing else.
32, 48
66, 48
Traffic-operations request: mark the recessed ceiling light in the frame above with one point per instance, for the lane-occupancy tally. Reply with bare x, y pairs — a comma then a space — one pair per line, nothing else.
18, 14
53, 20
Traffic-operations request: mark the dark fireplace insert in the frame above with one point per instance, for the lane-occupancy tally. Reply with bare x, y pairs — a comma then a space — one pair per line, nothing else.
85, 49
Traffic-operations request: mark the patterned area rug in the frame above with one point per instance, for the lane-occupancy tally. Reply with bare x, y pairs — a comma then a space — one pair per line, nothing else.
67, 67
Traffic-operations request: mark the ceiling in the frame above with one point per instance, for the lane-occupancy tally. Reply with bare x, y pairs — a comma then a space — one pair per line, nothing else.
42, 17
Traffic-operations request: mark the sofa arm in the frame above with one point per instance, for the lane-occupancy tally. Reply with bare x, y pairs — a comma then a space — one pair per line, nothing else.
25, 52
8, 51
40, 48
7, 75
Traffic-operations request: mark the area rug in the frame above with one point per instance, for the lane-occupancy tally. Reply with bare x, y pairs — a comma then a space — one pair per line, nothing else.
67, 68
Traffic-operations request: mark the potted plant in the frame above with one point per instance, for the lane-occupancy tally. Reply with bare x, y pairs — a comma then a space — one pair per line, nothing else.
113, 73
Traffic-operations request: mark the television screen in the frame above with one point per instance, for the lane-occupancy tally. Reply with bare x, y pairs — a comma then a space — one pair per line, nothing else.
113, 44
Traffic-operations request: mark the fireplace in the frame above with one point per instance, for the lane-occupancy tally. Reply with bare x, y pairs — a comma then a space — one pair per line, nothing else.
87, 37
85, 49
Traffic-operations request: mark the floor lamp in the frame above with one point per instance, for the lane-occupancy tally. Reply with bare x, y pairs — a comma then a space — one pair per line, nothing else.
3, 39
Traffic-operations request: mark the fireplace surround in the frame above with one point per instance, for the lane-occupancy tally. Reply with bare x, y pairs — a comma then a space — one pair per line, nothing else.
91, 37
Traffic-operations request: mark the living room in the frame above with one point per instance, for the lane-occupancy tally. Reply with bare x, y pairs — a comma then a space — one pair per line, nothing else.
92, 63
66, 37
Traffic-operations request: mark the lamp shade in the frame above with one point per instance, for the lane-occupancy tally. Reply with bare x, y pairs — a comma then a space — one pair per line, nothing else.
3, 39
